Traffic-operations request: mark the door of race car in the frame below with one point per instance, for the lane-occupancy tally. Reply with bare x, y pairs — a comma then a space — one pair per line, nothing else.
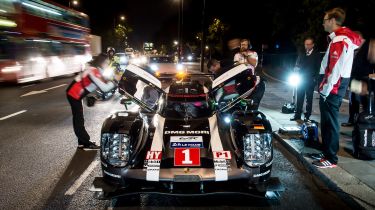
141, 86
228, 76
233, 85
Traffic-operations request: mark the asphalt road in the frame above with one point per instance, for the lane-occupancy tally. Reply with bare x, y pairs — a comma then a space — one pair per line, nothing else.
42, 169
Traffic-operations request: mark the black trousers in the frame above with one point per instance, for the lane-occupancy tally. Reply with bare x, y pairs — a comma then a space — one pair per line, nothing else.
257, 94
78, 121
329, 113
306, 89
354, 104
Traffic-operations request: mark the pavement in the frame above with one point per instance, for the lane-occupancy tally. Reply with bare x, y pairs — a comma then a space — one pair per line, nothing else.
353, 178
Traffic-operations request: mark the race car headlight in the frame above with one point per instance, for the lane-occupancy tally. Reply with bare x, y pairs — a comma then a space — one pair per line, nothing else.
257, 149
115, 149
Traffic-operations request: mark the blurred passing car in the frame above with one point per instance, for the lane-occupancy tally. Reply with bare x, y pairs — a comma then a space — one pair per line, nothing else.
164, 65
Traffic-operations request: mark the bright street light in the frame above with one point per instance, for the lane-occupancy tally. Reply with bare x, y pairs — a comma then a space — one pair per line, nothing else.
175, 42
122, 17
73, 3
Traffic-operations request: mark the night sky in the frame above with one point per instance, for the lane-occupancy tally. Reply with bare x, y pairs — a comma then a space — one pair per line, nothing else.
265, 21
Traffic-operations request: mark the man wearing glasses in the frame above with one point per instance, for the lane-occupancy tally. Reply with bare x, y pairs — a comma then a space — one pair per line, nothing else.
336, 67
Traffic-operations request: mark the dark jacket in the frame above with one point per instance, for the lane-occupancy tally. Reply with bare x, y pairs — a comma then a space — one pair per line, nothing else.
309, 64
361, 66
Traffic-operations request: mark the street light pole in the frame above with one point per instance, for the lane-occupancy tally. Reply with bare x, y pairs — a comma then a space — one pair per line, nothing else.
203, 41
180, 28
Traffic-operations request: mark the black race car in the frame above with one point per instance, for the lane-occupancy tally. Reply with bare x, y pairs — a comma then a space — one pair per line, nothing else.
182, 141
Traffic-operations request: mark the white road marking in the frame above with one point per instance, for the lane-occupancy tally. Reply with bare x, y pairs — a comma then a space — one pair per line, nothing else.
54, 87
27, 86
33, 93
267, 75
82, 178
12, 115
41, 91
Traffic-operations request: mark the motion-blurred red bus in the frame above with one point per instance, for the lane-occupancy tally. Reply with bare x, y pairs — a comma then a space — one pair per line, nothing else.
41, 39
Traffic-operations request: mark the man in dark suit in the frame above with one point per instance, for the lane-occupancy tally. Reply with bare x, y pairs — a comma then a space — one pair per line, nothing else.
308, 64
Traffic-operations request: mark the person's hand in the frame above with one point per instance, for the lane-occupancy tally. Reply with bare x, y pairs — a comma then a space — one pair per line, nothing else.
324, 97
117, 77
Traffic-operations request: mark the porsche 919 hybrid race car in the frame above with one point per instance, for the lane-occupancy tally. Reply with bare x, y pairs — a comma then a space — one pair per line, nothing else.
182, 141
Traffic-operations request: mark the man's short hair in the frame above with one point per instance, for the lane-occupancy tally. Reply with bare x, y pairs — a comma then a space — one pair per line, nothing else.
310, 38
338, 14
244, 40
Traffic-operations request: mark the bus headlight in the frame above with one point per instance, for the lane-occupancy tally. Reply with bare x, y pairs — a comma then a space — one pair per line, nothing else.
257, 149
11, 69
115, 149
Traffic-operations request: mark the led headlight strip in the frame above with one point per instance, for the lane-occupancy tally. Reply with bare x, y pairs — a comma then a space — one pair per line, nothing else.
257, 148
115, 148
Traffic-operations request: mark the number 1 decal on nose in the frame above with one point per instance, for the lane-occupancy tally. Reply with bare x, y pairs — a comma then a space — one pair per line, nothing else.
187, 157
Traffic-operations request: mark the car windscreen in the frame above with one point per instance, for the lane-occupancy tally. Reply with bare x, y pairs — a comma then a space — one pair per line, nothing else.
185, 106
161, 60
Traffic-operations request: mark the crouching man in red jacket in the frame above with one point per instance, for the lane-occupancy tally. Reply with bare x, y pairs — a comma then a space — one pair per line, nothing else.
86, 82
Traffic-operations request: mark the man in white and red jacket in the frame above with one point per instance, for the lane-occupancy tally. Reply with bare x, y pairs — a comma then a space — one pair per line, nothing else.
89, 80
336, 67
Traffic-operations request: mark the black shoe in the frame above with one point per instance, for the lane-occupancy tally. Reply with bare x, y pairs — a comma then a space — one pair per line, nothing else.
307, 119
348, 124
316, 156
295, 118
90, 146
